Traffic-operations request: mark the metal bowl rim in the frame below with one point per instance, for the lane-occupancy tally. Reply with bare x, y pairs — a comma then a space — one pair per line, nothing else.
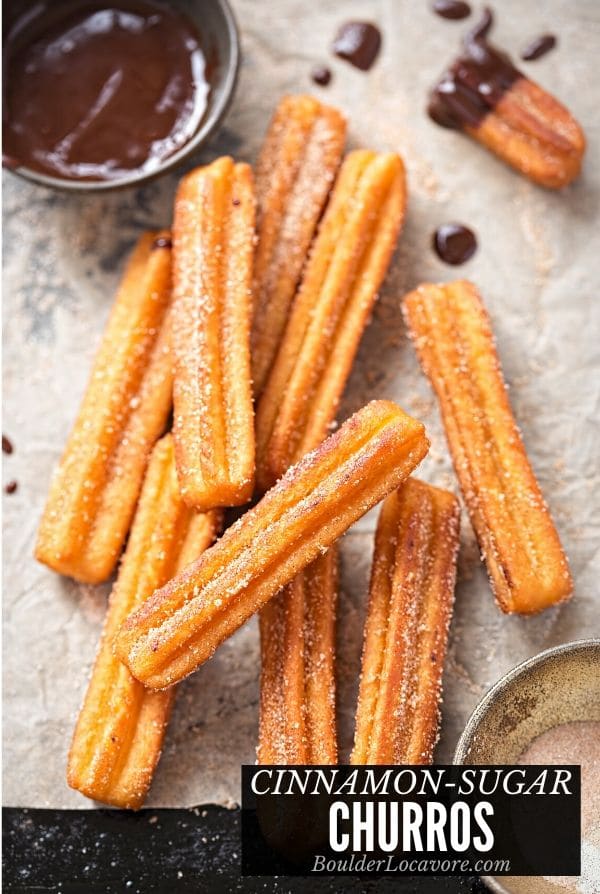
524, 667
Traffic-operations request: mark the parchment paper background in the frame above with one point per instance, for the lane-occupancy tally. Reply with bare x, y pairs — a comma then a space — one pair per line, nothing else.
537, 266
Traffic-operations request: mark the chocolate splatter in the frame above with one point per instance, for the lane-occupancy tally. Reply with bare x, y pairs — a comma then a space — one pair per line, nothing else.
359, 43
321, 75
452, 9
539, 47
454, 243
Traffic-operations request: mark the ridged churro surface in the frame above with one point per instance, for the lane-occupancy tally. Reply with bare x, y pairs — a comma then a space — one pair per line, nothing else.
535, 133
213, 244
297, 679
121, 726
123, 412
294, 174
346, 266
454, 341
406, 631
305, 513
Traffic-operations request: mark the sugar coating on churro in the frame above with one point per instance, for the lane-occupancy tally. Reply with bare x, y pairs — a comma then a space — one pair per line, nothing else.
297, 683
308, 510
295, 171
454, 341
118, 738
123, 412
347, 263
213, 244
406, 630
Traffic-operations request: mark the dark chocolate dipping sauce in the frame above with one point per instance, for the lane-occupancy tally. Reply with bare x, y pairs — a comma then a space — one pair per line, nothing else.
358, 43
539, 47
454, 243
452, 9
475, 82
94, 91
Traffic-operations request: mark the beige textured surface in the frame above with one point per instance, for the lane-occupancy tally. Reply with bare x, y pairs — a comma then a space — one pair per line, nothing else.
537, 269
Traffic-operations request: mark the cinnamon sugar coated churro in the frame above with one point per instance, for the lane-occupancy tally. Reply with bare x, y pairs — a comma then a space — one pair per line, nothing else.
346, 266
487, 97
308, 509
410, 606
297, 679
123, 412
120, 730
452, 334
213, 244
294, 174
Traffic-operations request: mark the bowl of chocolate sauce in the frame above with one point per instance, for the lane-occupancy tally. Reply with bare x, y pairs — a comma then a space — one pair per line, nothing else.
101, 95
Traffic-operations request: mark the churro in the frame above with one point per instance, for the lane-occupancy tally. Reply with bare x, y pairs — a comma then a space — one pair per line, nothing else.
213, 244
297, 678
453, 338
123, 412
306, 512
487, 97
406, 631
294, 174
346, 266
121, 726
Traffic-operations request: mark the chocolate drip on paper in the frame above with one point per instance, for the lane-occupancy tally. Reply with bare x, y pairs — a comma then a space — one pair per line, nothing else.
475, 82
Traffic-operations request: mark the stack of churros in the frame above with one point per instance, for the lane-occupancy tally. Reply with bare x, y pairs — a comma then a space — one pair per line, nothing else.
315, 502
345, 269
297, 678
454, 341
242, 314
213, 426
123, 413
294, 174
408, 616
121, 726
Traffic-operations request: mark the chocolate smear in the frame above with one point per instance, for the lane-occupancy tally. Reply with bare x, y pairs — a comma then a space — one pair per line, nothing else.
359, 43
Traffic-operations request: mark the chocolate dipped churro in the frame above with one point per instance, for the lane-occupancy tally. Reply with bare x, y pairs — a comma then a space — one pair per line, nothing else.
294, 174
297, 679
487, 97
308, 510
347, 263
121, 726
213, 244
453, 338
410, 606
123, 412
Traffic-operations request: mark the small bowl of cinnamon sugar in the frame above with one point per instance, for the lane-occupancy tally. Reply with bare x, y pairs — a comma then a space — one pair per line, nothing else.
546, 710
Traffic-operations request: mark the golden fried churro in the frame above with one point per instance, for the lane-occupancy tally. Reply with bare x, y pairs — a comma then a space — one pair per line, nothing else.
123, 412
491, 100
121, 726
307, 510
454, 341
213, 233
410, 605
347, 263
294, 174
297, 679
